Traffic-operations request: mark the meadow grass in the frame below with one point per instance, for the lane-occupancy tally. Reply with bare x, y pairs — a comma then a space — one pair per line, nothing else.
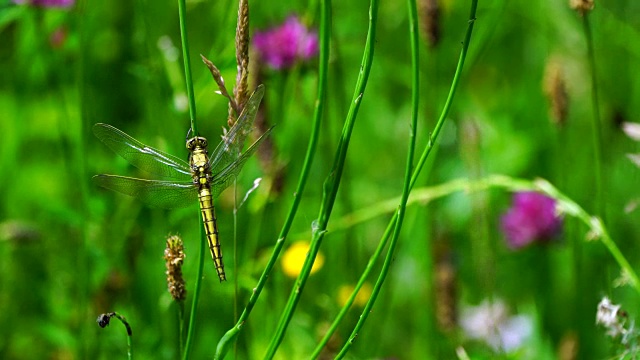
408, 249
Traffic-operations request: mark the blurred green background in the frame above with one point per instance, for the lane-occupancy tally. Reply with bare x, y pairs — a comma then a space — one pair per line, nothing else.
70, 251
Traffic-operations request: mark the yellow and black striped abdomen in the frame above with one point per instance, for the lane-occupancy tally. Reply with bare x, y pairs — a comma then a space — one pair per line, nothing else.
211, 229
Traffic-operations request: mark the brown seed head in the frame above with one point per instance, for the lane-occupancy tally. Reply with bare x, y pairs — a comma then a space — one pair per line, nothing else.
555, 89
174, 257
220, 81
429, 15
582, 6
446, 294
240, 91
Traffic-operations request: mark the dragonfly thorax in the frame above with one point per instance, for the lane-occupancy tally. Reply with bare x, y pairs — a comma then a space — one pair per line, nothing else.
199, 161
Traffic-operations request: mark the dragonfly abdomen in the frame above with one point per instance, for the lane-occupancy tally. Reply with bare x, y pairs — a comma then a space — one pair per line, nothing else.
211, 229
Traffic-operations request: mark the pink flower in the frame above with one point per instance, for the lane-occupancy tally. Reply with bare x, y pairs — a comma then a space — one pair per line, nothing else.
282, 46
46, 3
532, 217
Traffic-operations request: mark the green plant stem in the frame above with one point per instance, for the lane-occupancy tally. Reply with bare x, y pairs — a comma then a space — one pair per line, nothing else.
325, 33
423, 196
597, 230
235, 256
331, 184
194, 131
196, 292
596, 127
416, 173
345, 308
104, 320
129, 334
180, 305
406, 188
452, 92
182, 9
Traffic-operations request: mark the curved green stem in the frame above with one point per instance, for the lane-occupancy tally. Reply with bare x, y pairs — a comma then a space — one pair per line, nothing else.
597, 230
406, 188
196, 292
194, 130
180, 305
325, 33
452, 92
332, 182
422, 196
129, 334
182, 9
414, 177
104, 320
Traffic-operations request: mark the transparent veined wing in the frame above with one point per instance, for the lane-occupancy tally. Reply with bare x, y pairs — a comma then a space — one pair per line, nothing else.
232, 142
226, 176
155, 193
140, 155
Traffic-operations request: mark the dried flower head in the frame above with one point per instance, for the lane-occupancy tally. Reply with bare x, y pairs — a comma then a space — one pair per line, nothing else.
103, 321
429, 13
241, 89
582, 6
532, 217
282, 46
174, 257
555, 88
445, 291
217, 77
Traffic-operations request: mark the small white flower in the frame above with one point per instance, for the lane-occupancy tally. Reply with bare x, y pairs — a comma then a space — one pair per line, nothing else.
607, 316
491, 323
632, 130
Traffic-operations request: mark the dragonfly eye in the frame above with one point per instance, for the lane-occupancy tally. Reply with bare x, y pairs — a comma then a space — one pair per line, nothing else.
197, 141
190, 144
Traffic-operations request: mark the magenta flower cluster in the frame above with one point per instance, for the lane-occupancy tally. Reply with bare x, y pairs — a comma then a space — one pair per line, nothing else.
46, 3
532, 217
282, 46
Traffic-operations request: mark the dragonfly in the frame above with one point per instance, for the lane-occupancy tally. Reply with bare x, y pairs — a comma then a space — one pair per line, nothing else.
203, 177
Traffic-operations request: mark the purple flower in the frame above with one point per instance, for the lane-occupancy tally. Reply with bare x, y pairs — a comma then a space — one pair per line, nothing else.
532, 217
46, 3
280, 47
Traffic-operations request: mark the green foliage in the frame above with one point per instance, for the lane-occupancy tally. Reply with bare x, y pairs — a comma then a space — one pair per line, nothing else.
70, 251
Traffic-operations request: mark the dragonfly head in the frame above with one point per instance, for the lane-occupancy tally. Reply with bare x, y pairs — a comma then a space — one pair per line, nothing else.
197, 142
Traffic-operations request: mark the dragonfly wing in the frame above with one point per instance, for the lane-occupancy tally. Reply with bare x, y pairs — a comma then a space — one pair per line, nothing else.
233, 141
140, 155
155, 193
224, 178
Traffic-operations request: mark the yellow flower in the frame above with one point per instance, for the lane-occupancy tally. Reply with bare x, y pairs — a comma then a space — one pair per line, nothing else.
294, 257
361, 299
